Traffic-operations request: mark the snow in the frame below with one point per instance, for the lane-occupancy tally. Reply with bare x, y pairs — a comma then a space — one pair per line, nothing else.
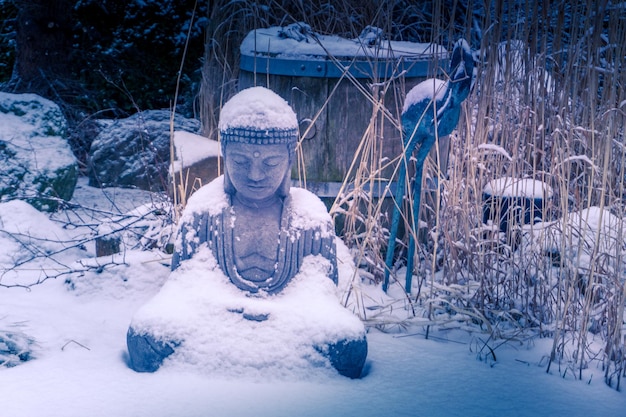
578, 232
296, 42
306, 311
258, 108
312, 213
79, 366
426, 91
514, 187
491, 147
190, 148
208, 199
22, 234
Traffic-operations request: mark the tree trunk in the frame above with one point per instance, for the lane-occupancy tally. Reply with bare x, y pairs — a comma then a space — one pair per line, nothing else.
43, 40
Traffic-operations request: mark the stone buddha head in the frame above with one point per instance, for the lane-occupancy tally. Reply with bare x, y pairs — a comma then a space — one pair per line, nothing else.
258, 133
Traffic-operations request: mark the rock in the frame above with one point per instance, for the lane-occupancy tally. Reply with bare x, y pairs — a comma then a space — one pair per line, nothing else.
106, 246
38, 163
135, 152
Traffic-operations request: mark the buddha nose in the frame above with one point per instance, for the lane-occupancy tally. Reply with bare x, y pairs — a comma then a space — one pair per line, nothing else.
256, 172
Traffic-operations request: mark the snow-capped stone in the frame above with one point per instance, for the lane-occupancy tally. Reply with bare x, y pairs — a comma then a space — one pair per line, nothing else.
518, 201
196, 162
518, 187
37, 162
135, 152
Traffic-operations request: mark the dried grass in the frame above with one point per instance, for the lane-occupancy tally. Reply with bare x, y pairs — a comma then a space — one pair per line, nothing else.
557, 116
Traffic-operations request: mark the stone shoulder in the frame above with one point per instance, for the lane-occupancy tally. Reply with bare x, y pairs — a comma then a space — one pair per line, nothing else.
306, 210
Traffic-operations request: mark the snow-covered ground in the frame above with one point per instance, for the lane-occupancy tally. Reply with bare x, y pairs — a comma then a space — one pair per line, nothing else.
79, 365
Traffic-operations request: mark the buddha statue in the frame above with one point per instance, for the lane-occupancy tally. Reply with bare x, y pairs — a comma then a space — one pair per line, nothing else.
262, 244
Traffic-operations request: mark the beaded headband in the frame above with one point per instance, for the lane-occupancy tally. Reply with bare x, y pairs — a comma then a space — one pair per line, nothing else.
259, 136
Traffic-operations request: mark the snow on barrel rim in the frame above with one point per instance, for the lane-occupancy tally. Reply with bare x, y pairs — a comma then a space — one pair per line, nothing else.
515, 187
257, 108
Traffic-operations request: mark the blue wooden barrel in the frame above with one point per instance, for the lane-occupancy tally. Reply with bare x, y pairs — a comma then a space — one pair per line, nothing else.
324, 76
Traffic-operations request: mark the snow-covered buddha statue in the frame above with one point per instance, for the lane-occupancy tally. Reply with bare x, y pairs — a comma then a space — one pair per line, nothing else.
255, 272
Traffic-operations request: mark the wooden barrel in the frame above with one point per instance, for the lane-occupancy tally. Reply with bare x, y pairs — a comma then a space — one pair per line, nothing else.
324, 79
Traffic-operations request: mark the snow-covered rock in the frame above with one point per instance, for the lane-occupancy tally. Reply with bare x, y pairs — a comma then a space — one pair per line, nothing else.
518, 187
135, 152
195, 164
37, 161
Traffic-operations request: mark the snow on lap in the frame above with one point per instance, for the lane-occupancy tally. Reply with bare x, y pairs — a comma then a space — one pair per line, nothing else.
200, 308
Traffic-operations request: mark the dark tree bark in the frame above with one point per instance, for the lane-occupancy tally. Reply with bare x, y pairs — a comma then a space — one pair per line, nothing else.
43, 46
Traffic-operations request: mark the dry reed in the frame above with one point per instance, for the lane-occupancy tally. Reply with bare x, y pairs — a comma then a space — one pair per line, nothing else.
549, 104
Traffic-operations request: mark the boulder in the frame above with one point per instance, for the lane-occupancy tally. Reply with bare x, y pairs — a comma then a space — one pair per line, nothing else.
37, 162
135, 152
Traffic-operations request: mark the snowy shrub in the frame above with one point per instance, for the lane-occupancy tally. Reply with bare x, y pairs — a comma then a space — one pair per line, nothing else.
15, 348
146, 227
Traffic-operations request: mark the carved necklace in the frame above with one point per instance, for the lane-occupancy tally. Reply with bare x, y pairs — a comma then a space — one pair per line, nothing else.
223, 238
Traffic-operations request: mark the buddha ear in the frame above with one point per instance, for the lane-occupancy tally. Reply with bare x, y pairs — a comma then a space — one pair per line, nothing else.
283, 189
229, 188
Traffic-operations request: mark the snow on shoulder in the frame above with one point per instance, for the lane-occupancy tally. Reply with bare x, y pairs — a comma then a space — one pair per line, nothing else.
308, 211
210, 199
257, 108
304, 315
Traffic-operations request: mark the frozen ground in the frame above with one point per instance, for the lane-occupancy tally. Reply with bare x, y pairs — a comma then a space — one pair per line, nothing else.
79, 366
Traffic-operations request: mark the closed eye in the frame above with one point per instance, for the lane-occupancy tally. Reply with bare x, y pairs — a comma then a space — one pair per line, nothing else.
273, 161
238, 160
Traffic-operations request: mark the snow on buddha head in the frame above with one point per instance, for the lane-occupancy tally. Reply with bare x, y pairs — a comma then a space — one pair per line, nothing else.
258, 135
257, 115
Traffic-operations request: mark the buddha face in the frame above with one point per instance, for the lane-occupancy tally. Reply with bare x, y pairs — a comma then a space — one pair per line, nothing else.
256, 171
